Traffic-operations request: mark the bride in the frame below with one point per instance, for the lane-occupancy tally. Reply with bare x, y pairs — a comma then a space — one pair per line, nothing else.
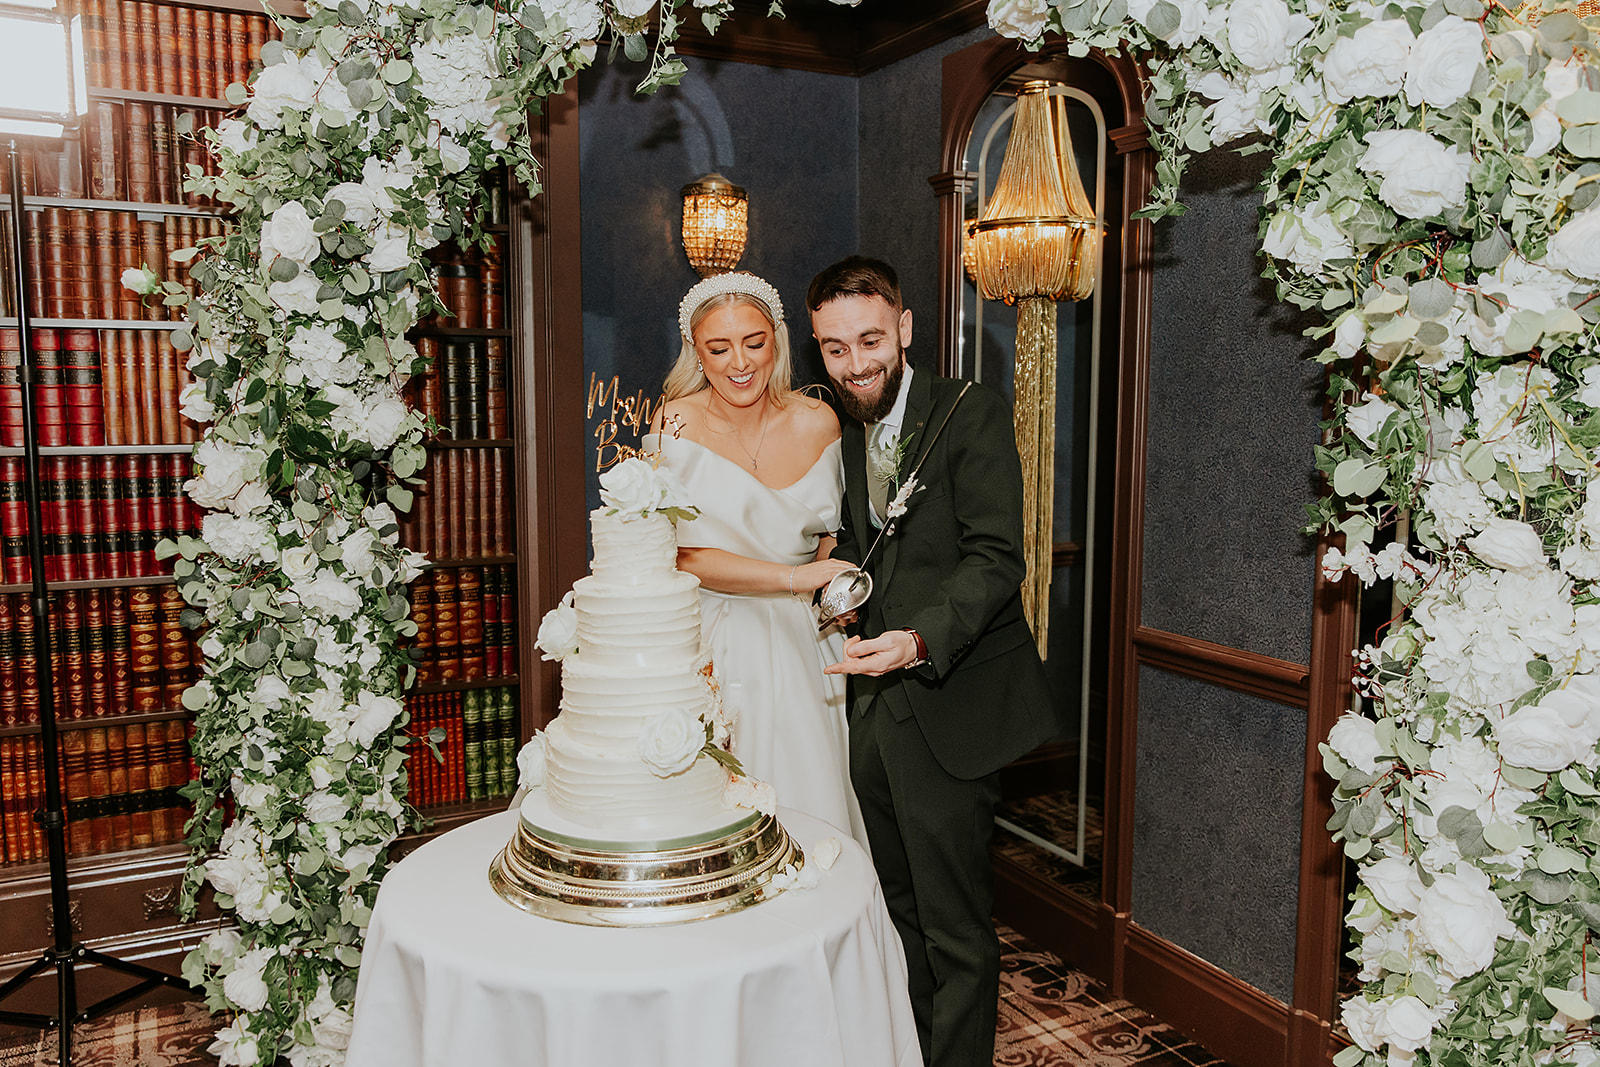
761, 462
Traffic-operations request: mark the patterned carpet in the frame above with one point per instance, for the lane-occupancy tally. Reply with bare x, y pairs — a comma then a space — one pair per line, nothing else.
1050, 1016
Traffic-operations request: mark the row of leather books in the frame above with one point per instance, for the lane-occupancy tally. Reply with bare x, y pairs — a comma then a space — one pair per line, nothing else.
102, 516
97, 387
76, 257
168, 48
113, 651
479, 754
464, 387
119, 784
465, 510
466, 623
130, 150
471, 284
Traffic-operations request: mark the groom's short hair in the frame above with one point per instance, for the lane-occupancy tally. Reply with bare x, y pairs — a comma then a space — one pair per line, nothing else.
855, 276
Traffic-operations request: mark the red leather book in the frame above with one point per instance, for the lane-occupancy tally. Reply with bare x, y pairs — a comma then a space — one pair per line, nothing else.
27, 659
500, 503
466, 487
239, 46
183, 55
149, 501
81, 388
140, 806
112, 519
99, 794
446, 625
164, 61
92, 22
105, 179
10, 684
111, 73
150, 344
167, 359
469, 620
87, 547
57, 513
456, 496
144, 641
72, 661
499, 423
80, 264
10, 842
439, 490
455, 762
150, 52
75, 787
422, 615
174, 509
133, 47
48, 400
494, 289
117, 782
255, 36
176, 665
508, 619
119, 641
14, 520
97, 653
11, 433
491, 622
153, 253
33, 239
139, 142
432, 398
107, 271
130, 305
111, 386
134, 514
205, 55
418, 534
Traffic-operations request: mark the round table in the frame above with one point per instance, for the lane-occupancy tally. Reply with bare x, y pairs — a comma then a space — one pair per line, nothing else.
452, 974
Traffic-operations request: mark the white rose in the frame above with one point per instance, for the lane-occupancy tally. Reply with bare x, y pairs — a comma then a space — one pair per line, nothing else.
288, 233
1394, 883
1370, 62
1460, 917
632, 487
1237, 110
1259, 32
1354, 738
323, 806
235, 136
1420, 176
360, 206
270, 690
671, 742
1409, 1023
1307, 237
234, 1046
299, 563
558, 630
1575, 248
453, 154
1020, 19
194, 405
233, 537
329, 594
298, 295
1444, 61
224, 471
1349, 335
358, 855
1563, 727
530, 762
392, 252
356, 553
251, 497
1366, 419
374, 715
1510, 545
384, 420
141, 280
635, 9
752, 793
291, 83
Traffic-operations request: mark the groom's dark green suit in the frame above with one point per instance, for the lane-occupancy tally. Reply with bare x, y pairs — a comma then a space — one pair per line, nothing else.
927, 742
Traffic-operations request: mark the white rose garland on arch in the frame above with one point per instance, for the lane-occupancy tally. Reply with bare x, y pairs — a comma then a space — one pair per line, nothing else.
363, 141
1432, 186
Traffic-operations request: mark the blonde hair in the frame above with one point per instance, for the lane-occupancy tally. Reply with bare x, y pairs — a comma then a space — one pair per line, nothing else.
686, 376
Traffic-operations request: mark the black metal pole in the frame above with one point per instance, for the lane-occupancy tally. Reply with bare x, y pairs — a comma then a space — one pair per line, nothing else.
66, 953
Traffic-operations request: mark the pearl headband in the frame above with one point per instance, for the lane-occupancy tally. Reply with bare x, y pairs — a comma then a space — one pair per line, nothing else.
721, 285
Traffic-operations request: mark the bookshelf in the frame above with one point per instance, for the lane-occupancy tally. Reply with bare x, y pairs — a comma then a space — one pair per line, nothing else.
114, 451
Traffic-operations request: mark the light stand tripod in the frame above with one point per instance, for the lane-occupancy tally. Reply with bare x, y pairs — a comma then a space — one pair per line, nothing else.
66, 954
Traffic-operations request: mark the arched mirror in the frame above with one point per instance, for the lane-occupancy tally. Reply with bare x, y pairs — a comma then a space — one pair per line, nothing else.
1053, 817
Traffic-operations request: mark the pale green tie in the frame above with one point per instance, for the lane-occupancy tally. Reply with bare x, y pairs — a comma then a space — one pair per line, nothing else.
880, 470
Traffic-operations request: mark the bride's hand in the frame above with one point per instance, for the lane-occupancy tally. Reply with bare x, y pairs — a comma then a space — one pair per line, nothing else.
809, 577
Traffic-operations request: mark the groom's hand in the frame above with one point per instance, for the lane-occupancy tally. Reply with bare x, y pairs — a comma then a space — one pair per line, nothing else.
887, 652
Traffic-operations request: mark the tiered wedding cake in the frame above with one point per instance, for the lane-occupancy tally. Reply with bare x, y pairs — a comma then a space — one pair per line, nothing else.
632, 814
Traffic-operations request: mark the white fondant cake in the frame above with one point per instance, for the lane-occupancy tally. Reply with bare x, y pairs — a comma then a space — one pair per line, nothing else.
639, 655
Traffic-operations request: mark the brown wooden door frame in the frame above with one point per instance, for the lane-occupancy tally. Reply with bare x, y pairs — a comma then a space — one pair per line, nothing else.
1230, 1017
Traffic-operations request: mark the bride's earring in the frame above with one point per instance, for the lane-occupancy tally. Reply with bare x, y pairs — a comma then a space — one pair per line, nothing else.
698, 367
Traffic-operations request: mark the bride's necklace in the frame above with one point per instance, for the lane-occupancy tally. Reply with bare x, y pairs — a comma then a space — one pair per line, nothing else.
766, 417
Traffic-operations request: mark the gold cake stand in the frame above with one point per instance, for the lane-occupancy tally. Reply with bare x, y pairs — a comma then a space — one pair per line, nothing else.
655, 884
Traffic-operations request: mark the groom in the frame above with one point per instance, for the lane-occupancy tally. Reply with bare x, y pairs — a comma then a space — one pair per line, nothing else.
946, 686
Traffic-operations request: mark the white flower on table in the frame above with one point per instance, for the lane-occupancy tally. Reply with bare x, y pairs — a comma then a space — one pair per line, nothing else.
743, 791
672, 741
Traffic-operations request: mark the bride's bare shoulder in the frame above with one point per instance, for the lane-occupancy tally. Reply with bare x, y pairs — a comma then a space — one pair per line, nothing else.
815, 419
681, 414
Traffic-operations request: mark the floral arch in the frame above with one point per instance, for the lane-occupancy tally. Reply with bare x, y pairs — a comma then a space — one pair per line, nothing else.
1432, 186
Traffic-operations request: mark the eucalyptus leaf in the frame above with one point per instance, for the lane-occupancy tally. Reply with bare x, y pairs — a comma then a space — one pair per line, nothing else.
1582, 141
1432, 298
1357, 478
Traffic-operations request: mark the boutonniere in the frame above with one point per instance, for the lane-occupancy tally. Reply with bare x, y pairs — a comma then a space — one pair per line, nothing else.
889, 474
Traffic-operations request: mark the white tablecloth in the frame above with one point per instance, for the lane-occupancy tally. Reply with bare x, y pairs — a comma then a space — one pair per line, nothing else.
454, 976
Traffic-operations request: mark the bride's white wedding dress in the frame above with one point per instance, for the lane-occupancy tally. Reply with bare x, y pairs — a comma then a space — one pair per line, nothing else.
789, 717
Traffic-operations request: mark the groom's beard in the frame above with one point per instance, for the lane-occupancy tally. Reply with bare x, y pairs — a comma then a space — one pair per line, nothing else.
867, 410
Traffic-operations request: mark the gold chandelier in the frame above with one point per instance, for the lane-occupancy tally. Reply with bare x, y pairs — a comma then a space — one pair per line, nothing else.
716, 216
1036, 242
